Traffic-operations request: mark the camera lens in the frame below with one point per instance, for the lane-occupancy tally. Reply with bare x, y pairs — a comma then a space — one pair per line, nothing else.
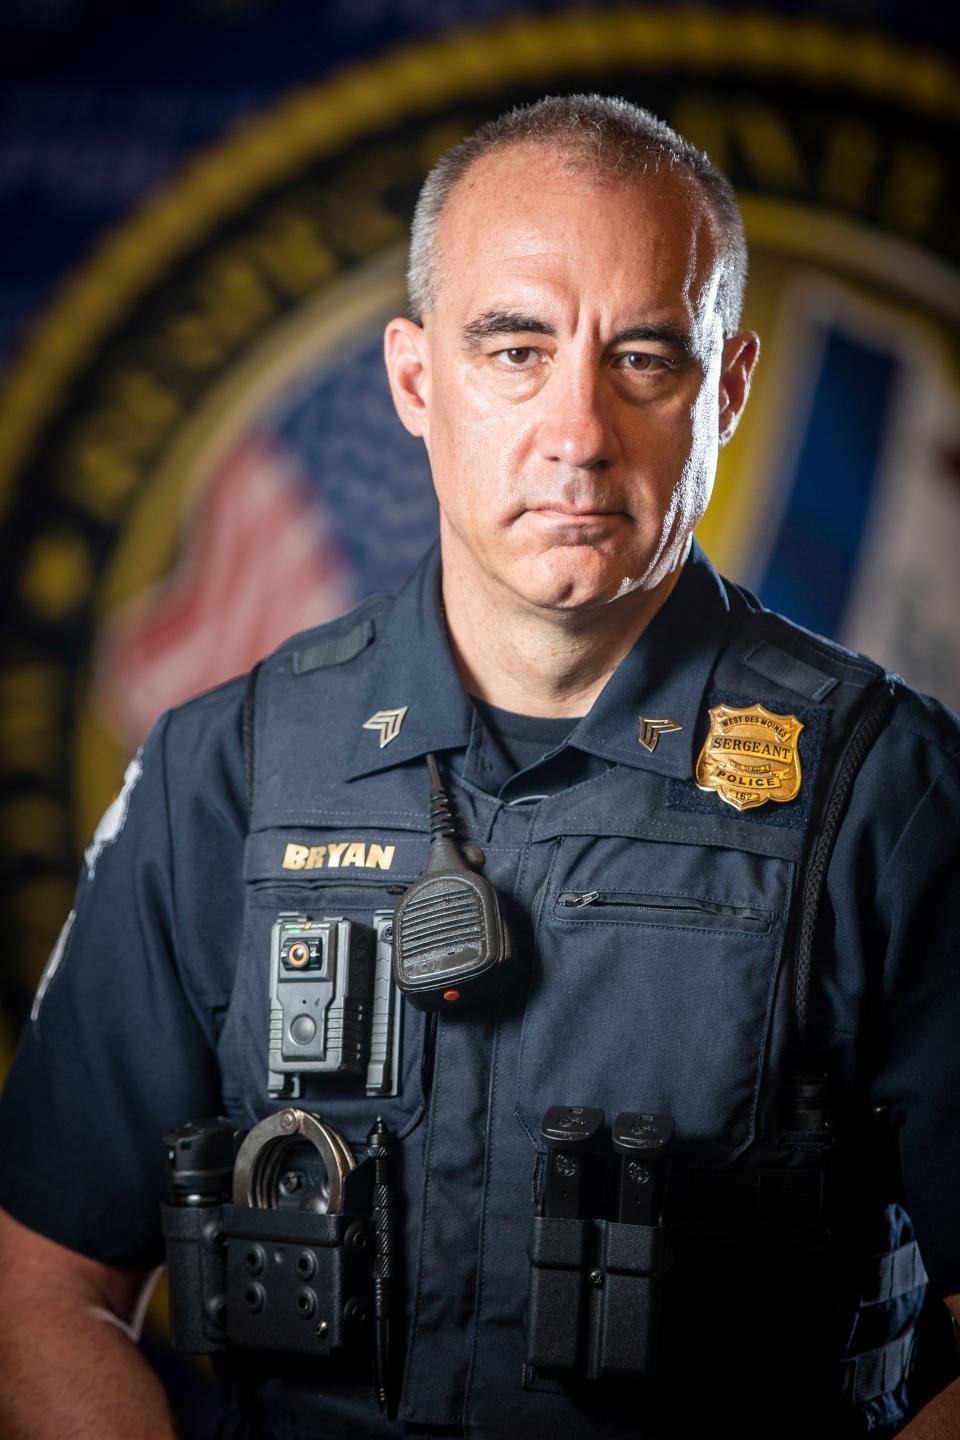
298, 954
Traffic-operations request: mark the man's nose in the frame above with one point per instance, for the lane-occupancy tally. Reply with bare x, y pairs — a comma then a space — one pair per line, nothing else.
577, 421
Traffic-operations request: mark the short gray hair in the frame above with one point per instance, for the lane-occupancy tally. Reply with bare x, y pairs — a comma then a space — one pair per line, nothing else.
615, 136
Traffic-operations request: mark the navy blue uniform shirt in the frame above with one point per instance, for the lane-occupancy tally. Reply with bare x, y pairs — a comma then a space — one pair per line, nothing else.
665, 992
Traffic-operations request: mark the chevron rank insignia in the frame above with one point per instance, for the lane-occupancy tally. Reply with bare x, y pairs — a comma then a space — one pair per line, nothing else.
750, 756
651, 730
388, 722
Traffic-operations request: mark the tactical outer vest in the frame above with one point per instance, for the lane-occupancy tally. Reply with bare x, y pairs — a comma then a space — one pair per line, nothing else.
792, 1293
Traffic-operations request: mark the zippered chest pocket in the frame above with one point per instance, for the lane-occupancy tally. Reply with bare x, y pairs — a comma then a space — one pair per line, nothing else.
658, 996
675, 911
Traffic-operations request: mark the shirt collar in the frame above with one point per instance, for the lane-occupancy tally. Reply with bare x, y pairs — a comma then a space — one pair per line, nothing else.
413, 670
663, 677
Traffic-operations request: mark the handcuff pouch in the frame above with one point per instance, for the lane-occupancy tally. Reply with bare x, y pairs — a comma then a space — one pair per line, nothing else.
288, 1281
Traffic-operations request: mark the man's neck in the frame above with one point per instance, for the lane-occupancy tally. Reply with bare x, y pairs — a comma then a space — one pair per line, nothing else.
537, 661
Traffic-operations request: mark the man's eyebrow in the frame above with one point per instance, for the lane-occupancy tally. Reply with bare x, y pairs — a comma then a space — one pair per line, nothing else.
678, 339
504, 322
513, 322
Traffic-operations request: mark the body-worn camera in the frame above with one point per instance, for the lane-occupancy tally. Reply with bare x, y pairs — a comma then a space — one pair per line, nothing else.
334, 1008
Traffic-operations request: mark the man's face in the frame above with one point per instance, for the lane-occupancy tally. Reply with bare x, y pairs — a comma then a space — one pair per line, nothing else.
571, 382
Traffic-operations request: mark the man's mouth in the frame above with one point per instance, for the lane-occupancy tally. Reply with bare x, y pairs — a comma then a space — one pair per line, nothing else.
573, 514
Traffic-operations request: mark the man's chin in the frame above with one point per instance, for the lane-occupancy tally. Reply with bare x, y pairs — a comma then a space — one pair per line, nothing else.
572, 581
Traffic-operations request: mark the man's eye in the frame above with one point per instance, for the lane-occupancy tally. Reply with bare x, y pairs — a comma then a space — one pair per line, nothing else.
639, 360
517, 356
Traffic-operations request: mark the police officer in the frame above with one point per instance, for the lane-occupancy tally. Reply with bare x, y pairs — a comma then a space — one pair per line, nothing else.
648, 768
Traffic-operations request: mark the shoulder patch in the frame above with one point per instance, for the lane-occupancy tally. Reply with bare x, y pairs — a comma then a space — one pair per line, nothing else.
114, 817
50, 969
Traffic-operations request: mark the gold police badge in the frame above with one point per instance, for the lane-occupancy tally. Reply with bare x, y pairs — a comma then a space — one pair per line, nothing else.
750, 756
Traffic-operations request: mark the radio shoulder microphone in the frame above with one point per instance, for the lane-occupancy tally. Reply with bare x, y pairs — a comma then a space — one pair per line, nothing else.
450, 945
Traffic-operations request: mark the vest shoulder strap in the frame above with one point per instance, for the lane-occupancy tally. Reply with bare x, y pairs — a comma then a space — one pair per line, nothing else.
322, 648
860, 695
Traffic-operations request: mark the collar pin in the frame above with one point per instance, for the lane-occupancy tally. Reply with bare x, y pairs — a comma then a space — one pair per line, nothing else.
388, 722
651, 730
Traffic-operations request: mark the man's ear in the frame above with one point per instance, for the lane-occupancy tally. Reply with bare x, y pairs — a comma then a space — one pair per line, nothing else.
740, 354
408, 370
